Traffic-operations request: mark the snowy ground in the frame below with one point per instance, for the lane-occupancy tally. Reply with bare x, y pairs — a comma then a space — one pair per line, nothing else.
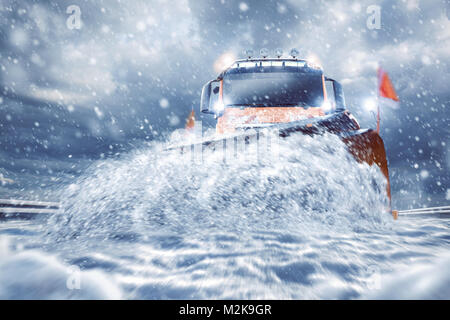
161, 227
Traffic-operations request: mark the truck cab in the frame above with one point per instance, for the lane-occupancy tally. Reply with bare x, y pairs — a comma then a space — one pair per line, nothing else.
255, 93
291, 95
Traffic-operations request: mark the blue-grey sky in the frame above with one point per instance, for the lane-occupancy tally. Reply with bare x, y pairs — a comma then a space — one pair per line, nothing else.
134, 69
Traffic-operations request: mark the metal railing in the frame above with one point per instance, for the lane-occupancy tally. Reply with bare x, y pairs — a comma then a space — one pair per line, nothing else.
16, 207
423, 211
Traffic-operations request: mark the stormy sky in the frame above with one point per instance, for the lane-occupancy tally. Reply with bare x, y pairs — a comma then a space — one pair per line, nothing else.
133, 70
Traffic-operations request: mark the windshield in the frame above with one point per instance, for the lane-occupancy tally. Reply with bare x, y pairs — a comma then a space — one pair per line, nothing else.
273, 89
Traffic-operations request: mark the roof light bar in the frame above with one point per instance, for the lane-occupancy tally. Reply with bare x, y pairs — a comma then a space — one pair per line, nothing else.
264, 53
279, 52
249, 53
294, 53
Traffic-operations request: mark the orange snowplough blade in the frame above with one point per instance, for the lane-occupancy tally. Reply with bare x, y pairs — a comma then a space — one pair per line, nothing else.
365, 145
368, 147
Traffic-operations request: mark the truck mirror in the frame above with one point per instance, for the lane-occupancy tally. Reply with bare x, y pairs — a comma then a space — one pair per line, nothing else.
339, 99
210, 94
330, 97
204, 100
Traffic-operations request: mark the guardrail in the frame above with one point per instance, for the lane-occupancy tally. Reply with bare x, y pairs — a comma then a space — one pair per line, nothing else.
14, 207
425, 211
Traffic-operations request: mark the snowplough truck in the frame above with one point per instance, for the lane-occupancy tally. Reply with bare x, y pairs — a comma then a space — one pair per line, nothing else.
291, 95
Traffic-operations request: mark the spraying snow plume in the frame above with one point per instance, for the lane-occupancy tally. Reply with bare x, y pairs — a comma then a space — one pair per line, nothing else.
149, 191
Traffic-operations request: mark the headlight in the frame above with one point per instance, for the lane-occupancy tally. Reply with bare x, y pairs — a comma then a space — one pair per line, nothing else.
327, 106
218, 107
